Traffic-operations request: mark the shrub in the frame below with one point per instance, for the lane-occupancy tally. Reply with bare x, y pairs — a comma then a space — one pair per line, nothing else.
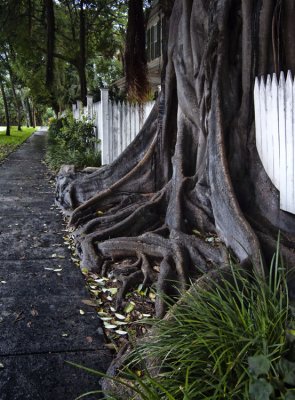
71, 142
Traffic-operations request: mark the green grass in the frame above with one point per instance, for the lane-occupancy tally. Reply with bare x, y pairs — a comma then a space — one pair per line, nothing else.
10, 143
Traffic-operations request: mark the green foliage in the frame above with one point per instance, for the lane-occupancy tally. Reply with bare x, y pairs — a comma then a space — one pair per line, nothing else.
227, 342
47, 115
71, 142
16, 138
23, 39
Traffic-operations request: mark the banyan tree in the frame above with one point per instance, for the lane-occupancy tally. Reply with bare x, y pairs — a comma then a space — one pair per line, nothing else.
193, 171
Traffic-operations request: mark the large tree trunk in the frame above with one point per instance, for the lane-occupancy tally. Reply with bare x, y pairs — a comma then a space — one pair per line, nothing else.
30, 113
50, 22
17, 101
82, 54
193, 171
25, 109
6, 110
135, 62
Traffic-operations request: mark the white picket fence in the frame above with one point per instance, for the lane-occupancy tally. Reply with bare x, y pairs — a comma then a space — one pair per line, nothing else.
274, 104
116, 124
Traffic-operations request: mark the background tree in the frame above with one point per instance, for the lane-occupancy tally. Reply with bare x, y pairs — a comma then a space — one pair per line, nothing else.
57, 44
6, 109
191, 188
50, 24
135, 61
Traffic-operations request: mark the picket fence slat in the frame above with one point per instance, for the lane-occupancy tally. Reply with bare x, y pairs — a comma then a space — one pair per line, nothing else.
274, 126
116, 124
274, 106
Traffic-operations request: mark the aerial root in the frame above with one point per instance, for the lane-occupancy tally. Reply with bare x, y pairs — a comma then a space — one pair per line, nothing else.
127, 282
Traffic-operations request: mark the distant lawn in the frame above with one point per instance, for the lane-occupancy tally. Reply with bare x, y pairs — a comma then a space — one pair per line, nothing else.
16, 138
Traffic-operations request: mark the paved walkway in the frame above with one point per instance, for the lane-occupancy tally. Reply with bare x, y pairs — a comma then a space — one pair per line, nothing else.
40, 322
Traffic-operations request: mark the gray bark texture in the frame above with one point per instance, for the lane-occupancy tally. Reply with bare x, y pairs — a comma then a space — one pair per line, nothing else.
193, 170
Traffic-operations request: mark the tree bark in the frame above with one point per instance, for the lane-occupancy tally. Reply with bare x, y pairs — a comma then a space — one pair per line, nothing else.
30, 113
25, 110
7, 117
33, 116
50, 22
190, 189
17, 101
82, 54
135, 63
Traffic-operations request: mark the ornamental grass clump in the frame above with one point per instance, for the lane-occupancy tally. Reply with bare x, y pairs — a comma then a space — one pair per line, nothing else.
231, 340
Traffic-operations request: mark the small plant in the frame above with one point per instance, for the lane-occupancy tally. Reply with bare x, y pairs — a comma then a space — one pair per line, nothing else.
72, 142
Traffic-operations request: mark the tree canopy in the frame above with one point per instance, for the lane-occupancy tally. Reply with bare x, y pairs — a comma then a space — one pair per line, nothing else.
55, 48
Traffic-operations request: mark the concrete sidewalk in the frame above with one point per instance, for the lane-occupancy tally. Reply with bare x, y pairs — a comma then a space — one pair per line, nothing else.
40, 322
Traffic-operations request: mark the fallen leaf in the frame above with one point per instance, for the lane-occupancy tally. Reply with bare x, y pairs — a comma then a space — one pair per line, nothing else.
34, 312
3, 282
82, 312
140, 287
129, 307
100, 279
19, 316
1, 365
120, 316
106, 318
152, 295
90, 303
113, 290
95, 292
103, 314
65, 335
111, 346
109, 326
57, 269
119, 332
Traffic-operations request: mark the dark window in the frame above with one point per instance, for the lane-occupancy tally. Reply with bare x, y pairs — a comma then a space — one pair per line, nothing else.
148, 44
158, 43
152, 42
